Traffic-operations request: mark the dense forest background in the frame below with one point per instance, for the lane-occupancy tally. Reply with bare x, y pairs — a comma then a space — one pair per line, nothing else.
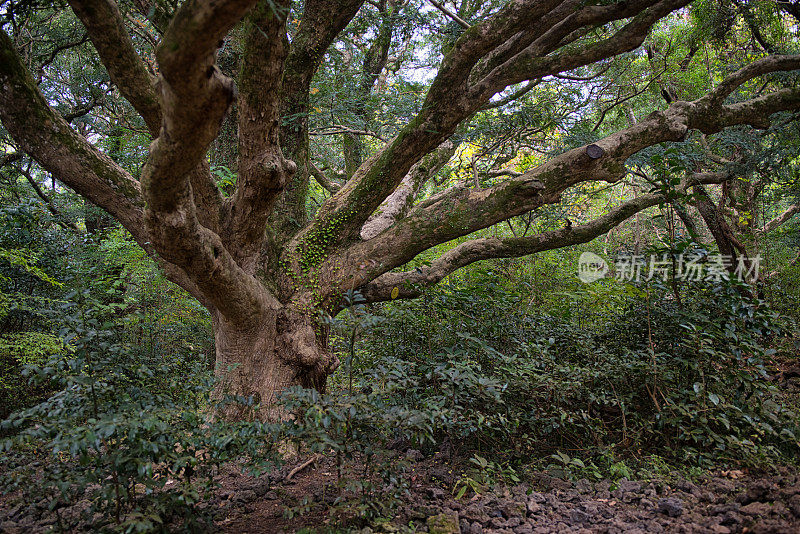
508, 366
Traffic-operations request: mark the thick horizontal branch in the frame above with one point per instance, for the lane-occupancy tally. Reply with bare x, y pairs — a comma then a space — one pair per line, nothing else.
503, 172
410, 284
753, 70
612, 151
462, 211
709, 118
48, 138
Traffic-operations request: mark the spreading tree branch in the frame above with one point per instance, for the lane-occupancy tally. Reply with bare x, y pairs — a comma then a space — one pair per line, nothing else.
106, 29
195, 97
784, 216
343, 215
753, 70
47, 137
461, 211
410, 284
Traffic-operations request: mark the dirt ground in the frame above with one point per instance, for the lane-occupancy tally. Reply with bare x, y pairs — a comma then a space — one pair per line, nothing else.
723, 502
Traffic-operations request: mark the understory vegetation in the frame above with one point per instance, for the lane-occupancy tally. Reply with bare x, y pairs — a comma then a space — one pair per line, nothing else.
410, 248
500, 373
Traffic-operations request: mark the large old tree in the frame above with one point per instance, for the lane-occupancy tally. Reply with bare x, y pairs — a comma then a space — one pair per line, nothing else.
263, 261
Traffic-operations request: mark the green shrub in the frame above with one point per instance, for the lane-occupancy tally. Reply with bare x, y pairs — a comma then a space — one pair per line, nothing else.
126, 440
687, 382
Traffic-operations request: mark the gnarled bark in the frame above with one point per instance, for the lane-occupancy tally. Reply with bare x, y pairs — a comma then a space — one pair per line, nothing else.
254, 259
256, 362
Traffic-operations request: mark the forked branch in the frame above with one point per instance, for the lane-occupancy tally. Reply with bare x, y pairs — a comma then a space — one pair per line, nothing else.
410, 284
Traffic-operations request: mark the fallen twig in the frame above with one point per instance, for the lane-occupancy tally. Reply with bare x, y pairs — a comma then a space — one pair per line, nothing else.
302, 466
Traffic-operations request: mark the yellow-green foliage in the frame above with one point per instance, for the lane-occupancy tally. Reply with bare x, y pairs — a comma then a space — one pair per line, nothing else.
17, 350
26, 260
28, 348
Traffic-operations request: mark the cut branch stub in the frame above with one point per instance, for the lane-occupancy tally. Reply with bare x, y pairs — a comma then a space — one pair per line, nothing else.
594, 151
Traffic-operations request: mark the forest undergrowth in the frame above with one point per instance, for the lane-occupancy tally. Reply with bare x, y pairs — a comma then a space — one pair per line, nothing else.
475, 373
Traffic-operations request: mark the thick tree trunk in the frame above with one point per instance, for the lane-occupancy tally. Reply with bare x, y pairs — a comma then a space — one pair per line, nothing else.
260, 361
